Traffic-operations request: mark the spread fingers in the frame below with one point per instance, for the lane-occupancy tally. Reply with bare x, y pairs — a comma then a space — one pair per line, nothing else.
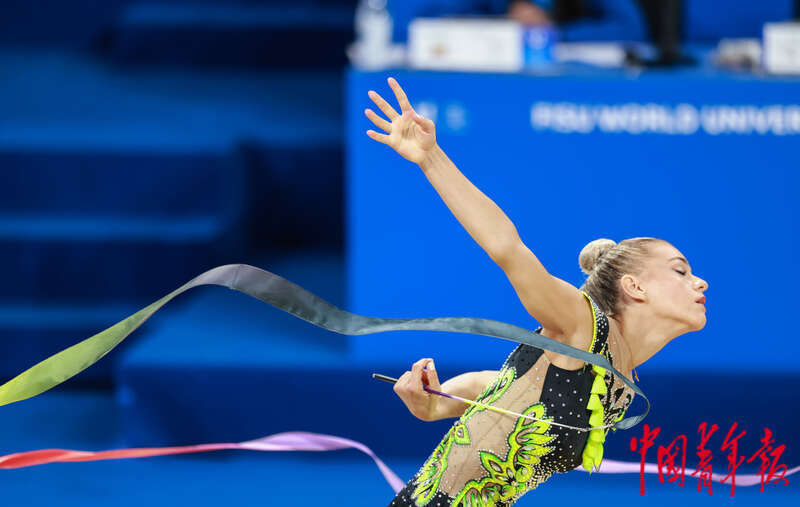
405, 105
378, 121
383, 105
381, 138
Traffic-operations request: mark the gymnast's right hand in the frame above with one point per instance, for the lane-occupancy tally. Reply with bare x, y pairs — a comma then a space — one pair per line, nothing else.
411, 135
409, 387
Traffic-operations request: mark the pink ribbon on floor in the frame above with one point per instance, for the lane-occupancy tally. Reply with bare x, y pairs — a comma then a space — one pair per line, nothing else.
289, 441
297, 441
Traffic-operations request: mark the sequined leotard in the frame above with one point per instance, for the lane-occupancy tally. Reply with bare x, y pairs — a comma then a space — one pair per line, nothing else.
489, 458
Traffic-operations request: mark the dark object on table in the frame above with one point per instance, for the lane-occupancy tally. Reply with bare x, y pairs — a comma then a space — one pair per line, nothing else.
664, 18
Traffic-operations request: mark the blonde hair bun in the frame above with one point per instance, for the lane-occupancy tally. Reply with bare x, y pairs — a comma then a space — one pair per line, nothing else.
592, 252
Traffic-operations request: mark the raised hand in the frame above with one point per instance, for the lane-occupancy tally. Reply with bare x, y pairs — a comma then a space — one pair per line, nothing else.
410, 388
409, 134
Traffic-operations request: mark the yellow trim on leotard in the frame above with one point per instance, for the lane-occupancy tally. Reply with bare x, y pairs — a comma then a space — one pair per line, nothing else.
592, 454
594, 321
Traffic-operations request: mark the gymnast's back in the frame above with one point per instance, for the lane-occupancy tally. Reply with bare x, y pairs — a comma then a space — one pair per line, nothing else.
488, 458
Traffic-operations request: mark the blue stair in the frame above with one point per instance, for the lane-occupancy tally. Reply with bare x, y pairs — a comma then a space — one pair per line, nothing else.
87, 227
132, 28
71, 270
99, 106
54, 23
235, 34
120, 185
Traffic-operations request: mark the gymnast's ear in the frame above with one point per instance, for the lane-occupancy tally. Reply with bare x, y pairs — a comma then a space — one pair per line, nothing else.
631, 287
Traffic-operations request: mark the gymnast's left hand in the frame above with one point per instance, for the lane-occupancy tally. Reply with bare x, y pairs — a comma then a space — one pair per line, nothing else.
409, 134
410, 387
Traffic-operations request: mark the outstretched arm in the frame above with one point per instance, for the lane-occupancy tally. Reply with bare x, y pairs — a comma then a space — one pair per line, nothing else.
414, 138
556, 304
480, 216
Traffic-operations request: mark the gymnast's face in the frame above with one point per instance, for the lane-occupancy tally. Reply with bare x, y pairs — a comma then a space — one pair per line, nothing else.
672, 290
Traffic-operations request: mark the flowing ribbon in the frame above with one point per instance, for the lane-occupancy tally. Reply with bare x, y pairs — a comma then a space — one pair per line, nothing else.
291, 298
295, 441
289, 441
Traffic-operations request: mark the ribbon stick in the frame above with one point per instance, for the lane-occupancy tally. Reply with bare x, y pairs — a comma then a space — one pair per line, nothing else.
492, 408
291, 298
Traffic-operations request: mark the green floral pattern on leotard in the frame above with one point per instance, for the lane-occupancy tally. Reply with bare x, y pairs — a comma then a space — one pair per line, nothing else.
510, 477
493, 392
427, 481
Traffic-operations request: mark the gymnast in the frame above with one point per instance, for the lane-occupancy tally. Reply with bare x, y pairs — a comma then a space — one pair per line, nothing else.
639, 295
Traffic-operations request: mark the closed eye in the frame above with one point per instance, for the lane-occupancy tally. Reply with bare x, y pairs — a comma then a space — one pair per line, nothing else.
681, 272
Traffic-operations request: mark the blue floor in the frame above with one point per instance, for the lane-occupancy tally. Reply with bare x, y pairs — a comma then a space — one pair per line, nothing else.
86, 420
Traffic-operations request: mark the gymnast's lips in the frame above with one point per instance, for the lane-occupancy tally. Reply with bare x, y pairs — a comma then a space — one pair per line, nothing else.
702, 300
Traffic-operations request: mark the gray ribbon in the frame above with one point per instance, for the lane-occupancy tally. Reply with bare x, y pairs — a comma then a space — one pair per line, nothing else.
291, 298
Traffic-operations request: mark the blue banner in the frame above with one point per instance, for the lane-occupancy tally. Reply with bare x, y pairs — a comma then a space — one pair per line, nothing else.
706, 162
